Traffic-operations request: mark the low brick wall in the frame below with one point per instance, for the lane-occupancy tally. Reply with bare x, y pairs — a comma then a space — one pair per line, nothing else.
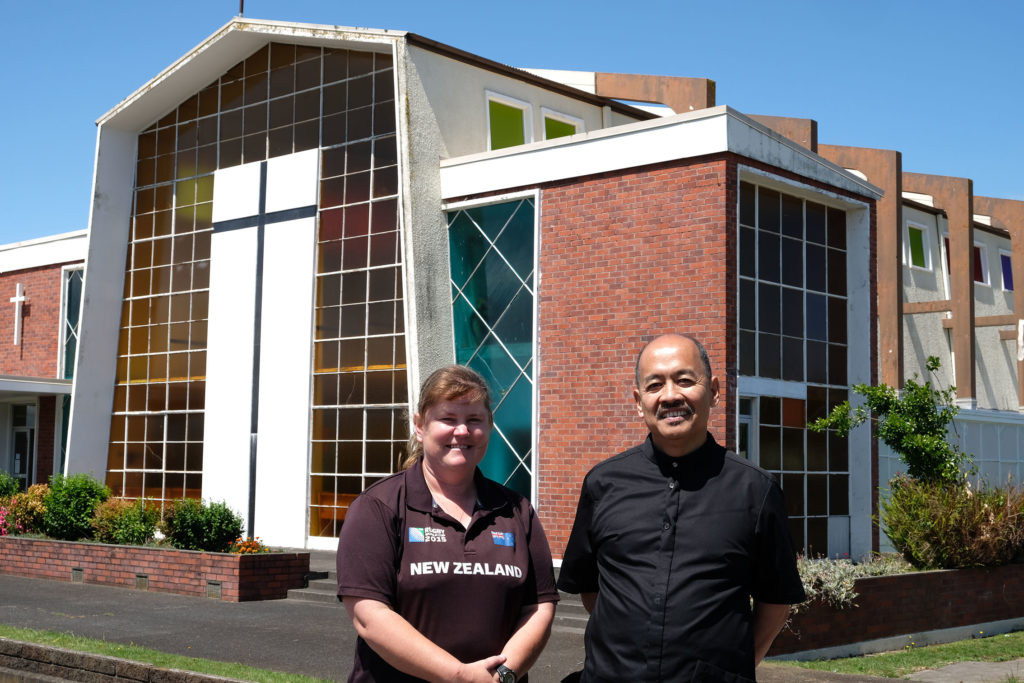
21, 662
906, 604
231, 577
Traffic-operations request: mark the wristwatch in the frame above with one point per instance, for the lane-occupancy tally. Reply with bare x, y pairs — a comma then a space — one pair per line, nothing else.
506, 675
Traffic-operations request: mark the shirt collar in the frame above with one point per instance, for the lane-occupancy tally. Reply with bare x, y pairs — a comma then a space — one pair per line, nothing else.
489, 494
693, 461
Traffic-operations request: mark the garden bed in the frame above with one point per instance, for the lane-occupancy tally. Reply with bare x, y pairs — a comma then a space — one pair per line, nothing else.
908, 604
225, 576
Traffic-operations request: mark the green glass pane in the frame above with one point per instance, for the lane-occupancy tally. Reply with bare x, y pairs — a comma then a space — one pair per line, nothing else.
516, 242
513, 416
507, 128
492, 288
466, 247
495, 365
74, 301
917, 248
499, 462
520, 482
516, 325
470, 330
553, 128
528, 370
69, 357
492, 218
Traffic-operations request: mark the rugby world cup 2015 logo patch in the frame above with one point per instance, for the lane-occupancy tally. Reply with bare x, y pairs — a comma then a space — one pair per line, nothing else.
506, 538
426, 535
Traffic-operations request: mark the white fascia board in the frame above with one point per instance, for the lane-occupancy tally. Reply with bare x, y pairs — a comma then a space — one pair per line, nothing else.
581, 80
692, 134
34, 385
67, 247
233, 42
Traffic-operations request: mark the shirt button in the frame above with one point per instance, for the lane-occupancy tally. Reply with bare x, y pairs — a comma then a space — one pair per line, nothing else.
675, 464
671, 484
666, 526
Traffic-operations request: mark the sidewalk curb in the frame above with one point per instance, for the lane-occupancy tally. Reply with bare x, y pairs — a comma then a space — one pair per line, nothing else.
20, 661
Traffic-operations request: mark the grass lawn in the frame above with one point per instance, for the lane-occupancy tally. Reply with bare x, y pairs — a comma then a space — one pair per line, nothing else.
981, 648
144, 655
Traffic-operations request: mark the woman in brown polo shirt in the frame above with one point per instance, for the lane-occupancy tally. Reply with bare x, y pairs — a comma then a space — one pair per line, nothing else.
446, 574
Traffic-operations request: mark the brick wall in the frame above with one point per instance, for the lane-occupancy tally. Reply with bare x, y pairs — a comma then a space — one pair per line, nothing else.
38, 353
906, 604
242, 577
625, 256
45, 437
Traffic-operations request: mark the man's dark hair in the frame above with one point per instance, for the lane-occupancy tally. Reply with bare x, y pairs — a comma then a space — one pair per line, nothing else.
700, 349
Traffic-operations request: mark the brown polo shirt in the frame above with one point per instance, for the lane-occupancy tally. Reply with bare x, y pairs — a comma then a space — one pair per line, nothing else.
463, 589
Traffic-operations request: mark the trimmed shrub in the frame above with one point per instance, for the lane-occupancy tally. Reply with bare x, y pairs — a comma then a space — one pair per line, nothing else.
125, 522
70, 504
8, 485
945, 526
192, 525
26, 509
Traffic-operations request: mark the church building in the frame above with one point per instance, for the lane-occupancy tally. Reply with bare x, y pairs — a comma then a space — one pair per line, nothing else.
295, 224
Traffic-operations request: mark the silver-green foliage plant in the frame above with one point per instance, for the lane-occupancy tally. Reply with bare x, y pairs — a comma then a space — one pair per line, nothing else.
831, 581
912, 422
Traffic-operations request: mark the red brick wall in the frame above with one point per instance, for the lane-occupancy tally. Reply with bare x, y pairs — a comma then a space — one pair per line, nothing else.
243, 577
906, 604
38, 353
625, 256
45, 438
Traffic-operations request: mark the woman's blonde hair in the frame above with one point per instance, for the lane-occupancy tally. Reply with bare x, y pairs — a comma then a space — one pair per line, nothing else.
447, 384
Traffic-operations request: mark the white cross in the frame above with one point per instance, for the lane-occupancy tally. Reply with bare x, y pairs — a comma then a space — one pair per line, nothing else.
18, 299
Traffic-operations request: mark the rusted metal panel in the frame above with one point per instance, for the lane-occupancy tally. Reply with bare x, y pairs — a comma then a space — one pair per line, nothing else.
676, 92
956, 196
803, 132
883, 168
1008, 214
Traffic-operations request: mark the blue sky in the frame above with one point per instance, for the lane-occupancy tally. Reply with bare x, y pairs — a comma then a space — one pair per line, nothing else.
939, 81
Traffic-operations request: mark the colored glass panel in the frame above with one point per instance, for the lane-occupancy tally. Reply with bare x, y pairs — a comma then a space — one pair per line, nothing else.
492, 261
917, 253
507, 124
1007, 267
556, 128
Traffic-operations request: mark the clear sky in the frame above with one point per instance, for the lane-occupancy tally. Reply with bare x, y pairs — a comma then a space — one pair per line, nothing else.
940, 80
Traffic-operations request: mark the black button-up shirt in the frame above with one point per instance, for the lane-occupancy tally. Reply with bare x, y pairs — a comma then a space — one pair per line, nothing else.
675, 548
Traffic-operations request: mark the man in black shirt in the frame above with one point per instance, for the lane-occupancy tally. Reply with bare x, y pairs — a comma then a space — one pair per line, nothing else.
673, 538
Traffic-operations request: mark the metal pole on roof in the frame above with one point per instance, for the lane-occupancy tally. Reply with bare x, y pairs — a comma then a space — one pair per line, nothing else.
241, 8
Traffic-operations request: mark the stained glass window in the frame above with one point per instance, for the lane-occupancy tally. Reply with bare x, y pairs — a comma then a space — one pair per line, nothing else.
491, 251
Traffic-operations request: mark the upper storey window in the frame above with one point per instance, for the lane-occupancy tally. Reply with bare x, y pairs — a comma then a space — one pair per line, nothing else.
1006, 265
508, 121
917, 247
558, 125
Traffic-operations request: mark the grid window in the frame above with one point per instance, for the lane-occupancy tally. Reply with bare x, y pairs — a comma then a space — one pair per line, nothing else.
280, 100
360, 389
491, 252
793, 327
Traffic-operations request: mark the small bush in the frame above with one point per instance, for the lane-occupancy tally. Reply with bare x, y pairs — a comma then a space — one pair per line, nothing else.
26, 509
70, 504
124, 522
192, 525
832, 581
8, 524
944, 526
8, 485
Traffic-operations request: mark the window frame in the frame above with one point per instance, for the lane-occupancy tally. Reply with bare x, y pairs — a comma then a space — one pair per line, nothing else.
508, 101
548, 113
986, 278
65, 274
1002, 271
908, 255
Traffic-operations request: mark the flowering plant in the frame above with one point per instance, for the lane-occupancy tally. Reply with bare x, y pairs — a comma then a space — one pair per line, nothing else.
248, 546
8, 522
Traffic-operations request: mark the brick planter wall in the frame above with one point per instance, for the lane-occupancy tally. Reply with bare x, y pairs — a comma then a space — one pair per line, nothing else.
906, 604
231, 577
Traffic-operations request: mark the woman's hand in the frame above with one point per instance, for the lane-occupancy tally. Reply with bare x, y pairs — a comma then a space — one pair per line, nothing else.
480, 671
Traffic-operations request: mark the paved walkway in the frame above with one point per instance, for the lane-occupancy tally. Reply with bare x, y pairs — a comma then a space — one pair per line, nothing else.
314, 639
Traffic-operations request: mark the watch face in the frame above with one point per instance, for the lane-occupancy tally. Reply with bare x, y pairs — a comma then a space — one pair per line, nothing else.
506, 675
